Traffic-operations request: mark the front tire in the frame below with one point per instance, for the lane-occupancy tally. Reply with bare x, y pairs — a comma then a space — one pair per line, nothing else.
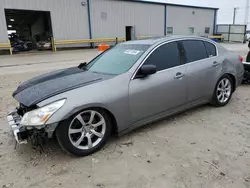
85, 132
223, 91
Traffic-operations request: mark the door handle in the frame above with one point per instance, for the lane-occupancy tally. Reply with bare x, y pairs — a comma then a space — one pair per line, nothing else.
215, 64
179, 75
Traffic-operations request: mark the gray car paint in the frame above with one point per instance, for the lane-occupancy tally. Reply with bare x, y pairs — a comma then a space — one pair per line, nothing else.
135, 102
157, 93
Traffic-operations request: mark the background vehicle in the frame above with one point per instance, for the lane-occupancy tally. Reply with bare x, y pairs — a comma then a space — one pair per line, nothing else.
44, 42
19, 45
44, 45
247, 35
247, 66
128, 86
247, 71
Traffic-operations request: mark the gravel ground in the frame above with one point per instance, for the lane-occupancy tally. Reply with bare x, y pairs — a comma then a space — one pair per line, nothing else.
205, 147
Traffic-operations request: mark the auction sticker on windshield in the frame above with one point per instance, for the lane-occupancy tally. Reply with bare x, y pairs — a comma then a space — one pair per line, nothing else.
132, 52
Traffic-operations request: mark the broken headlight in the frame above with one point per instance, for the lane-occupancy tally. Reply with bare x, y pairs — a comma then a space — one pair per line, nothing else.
41, 115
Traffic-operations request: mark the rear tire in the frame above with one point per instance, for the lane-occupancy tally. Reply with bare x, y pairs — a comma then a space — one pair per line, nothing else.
223, 91
85, 132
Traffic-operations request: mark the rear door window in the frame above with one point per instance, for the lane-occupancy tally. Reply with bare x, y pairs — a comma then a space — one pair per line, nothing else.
194, 50
211, 50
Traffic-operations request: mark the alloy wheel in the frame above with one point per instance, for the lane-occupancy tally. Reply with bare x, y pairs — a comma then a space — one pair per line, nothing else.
224, 90
87, 129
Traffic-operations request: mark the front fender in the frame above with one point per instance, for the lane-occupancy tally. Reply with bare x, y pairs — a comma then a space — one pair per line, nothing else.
60, 116
111, 95
86, 106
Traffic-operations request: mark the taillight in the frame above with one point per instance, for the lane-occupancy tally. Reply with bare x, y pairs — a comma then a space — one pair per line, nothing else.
241, 58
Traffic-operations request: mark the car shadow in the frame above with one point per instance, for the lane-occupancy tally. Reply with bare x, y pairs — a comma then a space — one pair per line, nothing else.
165, 121
50, 149
53, 150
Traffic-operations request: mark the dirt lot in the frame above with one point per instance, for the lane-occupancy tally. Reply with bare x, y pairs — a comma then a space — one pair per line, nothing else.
205, 147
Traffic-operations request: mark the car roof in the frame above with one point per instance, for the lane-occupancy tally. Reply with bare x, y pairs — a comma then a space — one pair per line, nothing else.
155, 40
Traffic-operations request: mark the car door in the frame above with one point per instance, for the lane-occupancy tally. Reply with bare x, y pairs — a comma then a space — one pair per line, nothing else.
202, 69
162, 91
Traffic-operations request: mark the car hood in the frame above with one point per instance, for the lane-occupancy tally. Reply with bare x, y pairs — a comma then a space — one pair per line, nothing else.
45, 86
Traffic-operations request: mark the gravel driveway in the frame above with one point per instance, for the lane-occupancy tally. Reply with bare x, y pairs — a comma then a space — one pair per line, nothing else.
205, 147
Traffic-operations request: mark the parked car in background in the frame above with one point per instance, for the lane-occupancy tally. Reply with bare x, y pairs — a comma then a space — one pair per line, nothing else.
44, 45
247, 66
126, 87
247, 71
43, 41
247, 35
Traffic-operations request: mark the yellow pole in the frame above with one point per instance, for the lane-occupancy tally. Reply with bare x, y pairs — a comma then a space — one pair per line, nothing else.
10, 48
53, 44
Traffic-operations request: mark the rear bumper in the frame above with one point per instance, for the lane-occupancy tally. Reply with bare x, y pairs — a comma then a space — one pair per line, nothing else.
19, 132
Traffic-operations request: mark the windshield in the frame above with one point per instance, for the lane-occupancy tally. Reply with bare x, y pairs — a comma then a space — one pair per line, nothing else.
118, 59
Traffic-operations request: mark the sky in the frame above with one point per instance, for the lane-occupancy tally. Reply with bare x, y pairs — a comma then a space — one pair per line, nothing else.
225, 14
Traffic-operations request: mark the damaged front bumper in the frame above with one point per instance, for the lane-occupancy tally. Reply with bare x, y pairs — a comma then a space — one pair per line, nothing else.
19, 132
37, 136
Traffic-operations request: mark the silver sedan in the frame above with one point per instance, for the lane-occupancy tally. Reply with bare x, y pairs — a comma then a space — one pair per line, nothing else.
126, 87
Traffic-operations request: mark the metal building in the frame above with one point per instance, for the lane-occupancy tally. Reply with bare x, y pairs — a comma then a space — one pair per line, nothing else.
98, 19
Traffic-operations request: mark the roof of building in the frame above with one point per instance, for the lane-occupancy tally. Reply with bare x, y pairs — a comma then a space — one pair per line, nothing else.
172, 4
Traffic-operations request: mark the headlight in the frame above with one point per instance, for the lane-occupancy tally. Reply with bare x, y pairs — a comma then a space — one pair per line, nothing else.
41, 115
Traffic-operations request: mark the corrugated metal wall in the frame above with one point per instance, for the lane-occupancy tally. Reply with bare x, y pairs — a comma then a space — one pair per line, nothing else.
69, 18
3, 28
181, 18
109, 18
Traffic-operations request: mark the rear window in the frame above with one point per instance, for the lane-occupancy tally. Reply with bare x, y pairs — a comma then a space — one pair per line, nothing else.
211, 50
195, 50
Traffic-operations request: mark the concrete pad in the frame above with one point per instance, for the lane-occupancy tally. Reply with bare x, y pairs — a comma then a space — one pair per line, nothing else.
48, 57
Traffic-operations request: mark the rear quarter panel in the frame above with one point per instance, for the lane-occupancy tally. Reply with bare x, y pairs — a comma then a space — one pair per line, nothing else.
230, 64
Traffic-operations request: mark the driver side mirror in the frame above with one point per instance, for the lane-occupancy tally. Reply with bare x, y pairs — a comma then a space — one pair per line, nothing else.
146, 70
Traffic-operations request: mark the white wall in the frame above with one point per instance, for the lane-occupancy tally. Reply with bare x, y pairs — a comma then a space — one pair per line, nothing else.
69, 18
109, 18
3, 27
181, 18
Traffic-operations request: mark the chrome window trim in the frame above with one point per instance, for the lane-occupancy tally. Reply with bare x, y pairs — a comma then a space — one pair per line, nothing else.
174, 40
